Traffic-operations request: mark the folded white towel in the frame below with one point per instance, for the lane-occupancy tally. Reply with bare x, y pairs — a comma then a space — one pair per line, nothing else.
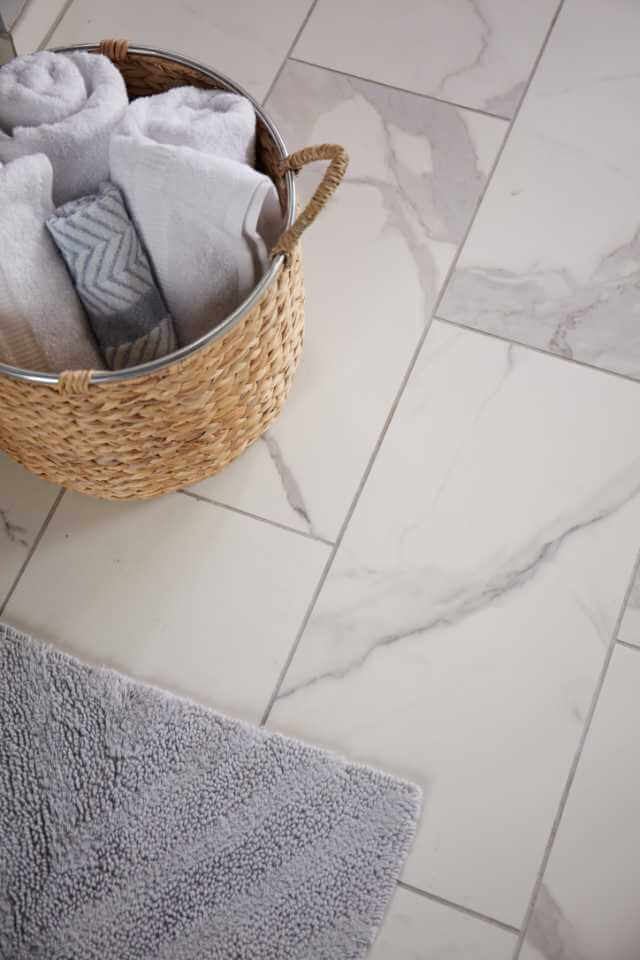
42, 324
65, 106
207, 221
210, 121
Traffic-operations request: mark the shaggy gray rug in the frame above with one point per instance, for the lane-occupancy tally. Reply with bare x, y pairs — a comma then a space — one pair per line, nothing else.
136, 825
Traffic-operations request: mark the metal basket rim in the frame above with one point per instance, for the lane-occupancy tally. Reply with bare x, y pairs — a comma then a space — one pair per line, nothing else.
152, 366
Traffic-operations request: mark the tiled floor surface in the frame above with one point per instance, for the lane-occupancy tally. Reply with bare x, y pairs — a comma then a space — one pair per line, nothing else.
425, 564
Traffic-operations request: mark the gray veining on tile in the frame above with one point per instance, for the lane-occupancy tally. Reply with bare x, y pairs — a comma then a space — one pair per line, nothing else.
553, 258
477, 53
460, 600
289, 485
14, 532
463, 625
375, 261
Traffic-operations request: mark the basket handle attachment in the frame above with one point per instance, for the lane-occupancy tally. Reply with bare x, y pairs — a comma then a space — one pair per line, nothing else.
116, 50
74, 381
339, 161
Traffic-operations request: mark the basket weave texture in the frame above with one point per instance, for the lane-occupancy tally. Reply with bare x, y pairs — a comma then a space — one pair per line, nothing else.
161, 431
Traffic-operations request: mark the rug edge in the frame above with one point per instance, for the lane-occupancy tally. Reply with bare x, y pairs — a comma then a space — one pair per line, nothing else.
413, 794
414, 790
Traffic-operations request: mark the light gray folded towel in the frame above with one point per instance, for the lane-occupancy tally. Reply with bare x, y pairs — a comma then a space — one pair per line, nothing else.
113, 278
205, 215
65, 106
42, 324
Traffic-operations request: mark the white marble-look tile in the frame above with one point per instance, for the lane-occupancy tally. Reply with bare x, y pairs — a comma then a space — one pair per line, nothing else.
246, 40
34, 23
179, 593
462, 627
416, 928
587, 908
475, 52
25, 501
553, 258
374, 263
630, 626
9, 12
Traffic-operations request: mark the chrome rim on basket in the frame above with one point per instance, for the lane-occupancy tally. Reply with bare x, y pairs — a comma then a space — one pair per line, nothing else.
111, 376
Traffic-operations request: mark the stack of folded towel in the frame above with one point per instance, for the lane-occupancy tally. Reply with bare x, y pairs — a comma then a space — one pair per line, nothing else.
162, 226
182, 161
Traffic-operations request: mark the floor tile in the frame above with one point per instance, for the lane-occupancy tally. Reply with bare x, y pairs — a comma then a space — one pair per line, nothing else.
244, 40
478, 53
25, 501
587, 908
6, 49
9, 12
180, 593
461, 630
374, 263
630, 626
553, 258
34, 23
416, 928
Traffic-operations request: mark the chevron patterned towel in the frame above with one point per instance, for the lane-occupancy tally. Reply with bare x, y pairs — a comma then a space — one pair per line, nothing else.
112, 275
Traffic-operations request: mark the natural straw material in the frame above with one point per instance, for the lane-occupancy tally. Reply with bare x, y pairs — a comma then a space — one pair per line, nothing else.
161, 431
328, 186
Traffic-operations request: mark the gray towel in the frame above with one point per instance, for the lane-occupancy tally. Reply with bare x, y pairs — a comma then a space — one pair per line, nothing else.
112, 275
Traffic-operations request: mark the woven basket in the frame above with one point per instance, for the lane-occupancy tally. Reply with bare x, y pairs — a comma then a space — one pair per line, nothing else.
152, 429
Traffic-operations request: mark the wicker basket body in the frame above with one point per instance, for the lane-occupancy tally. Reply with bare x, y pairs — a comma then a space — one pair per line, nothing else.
137, 434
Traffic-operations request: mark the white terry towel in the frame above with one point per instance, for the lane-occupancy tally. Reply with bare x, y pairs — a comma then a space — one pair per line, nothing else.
65, 106
210, 121
42, 324
207, 220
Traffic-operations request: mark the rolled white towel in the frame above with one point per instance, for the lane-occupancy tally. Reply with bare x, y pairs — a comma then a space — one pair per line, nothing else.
42, 323
210, 121
65, 106
207, 220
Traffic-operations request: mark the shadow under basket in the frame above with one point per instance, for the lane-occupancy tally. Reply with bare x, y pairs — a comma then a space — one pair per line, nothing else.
148, 430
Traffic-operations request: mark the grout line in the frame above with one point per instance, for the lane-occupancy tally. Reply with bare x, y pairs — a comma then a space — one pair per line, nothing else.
631, 646
398, 397
47, 520
630, 378
391, 86
576, 760
256, 516
56, 23
468, 911
345, 524
289, 51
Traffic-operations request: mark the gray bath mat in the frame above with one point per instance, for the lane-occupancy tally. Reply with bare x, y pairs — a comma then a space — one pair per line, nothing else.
137, 825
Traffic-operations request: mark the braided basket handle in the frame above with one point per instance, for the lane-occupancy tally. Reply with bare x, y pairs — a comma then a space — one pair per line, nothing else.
328, 185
